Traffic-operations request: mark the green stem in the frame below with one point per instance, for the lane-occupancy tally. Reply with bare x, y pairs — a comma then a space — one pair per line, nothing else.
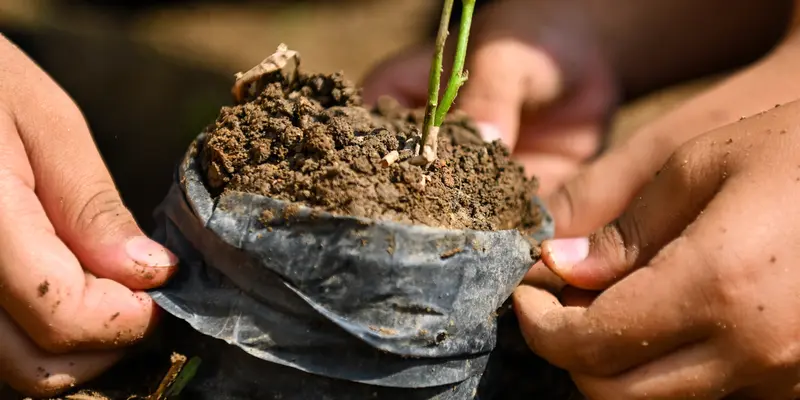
436, 73
186, 375
457, 76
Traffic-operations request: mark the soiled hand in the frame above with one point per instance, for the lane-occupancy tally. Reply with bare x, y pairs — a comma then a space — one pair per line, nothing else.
537, 81
72, 259
699, 278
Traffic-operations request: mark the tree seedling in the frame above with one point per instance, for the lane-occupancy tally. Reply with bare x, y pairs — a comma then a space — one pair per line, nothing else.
435, 111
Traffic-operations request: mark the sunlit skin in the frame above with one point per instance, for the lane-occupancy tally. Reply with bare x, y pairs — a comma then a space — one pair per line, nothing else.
692, 291
545, 76
677, 247
708, 243
700, 261
73, 263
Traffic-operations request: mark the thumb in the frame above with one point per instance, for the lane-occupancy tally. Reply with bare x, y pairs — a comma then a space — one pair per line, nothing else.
506, 75
603, 189
91, 219
659, 213
75, 189
101, 232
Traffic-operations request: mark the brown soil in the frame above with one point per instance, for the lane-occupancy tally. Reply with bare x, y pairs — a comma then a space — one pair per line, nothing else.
311, 141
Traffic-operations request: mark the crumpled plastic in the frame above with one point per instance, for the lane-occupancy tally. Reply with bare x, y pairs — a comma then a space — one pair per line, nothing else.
336, 299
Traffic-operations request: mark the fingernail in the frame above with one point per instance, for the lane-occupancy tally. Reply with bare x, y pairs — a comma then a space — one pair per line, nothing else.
147, 252
563, 254
489, 132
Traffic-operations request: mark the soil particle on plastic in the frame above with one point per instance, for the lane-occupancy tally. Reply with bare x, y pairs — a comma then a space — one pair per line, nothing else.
536, 249
267, 216
311, 141
383, 331
390, 243
451, 252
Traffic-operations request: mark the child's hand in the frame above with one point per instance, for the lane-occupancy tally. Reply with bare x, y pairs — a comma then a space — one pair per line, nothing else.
545, 74
536, 81
699, 277
73, 261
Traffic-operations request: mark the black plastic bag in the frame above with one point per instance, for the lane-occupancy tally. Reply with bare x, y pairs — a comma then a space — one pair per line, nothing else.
335, 307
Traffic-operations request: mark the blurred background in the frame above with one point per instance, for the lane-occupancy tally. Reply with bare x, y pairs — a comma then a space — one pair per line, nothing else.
149, 74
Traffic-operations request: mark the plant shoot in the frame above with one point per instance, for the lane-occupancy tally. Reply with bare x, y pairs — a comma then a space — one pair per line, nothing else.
435, 112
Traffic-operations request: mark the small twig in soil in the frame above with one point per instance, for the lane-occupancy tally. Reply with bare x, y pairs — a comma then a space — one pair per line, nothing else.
390, 158
435, 113
177, 363
284, 60
186, 375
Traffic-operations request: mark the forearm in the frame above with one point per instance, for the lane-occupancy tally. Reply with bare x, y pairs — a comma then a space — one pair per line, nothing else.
655, 43
757, 88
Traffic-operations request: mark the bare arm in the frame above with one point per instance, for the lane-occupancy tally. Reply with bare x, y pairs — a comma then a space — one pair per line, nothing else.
603, 189
655, 43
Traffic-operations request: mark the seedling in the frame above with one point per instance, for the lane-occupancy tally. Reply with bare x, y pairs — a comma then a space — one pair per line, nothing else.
435, 111
314, 189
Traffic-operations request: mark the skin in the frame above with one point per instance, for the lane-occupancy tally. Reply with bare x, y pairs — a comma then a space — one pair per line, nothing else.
580, 205
73, 262
696, 279
707, 240
545, 75
685, 286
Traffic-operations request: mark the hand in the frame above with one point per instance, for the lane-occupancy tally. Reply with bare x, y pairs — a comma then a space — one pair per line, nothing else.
699, 277
72, 260
604, 188
537, 81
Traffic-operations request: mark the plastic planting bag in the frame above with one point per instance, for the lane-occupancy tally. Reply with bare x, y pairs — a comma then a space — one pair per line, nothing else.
302, 304
333, 307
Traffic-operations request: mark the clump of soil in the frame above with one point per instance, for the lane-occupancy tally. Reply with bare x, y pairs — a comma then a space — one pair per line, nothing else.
310, 140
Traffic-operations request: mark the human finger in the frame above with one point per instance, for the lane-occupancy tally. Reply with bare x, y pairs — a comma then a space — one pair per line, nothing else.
780, 386
619, 329
33, 372
682, 281
661, 210
574, 297
602, 332
550, 170
698, 371
72, 183
505, 75
602, 190
42, 284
